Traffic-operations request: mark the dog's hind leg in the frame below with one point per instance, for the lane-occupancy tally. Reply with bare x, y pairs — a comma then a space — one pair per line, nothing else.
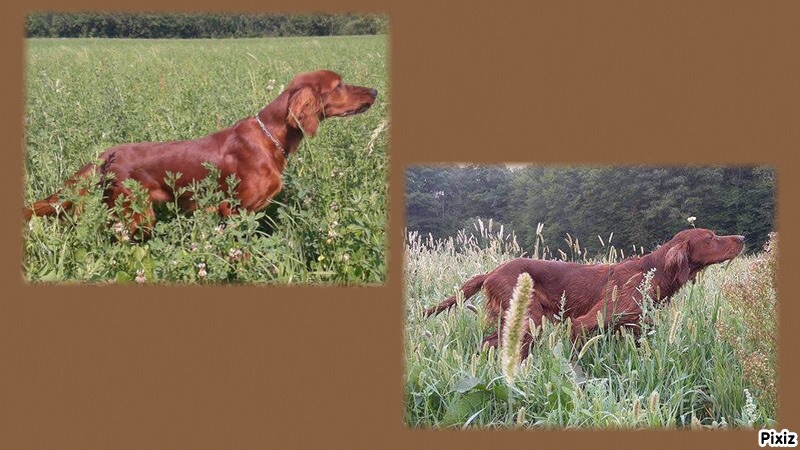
51, 205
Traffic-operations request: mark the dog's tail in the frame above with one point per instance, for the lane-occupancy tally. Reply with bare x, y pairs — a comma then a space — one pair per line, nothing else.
469, 289
51, 206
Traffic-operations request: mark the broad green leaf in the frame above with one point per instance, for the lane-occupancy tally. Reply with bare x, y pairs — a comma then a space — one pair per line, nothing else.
465, 406
465, 384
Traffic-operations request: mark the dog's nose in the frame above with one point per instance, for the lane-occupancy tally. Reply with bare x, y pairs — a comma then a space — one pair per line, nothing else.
373, 93
740, 238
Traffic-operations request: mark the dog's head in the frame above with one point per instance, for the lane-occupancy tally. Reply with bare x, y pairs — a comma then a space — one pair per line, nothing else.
314, 96
694, 249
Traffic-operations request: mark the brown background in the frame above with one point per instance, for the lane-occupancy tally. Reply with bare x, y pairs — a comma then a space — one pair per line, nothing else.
311, 367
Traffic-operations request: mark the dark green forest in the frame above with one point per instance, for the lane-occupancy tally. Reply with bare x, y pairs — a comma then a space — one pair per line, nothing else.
642, 206
188, 26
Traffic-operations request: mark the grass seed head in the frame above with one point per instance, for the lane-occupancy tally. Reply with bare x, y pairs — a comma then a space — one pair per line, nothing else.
515, 322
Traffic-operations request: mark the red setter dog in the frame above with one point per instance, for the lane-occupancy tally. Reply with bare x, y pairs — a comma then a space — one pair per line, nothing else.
588, 289
255, 150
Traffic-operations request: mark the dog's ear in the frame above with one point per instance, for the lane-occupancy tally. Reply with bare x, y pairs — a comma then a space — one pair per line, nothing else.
676, 263
304, 110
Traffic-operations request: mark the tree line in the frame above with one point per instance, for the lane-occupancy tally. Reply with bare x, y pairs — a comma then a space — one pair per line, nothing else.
188, 25
642, 206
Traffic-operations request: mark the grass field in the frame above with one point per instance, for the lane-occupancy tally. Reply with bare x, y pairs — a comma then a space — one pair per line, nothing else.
707, 360
84, 95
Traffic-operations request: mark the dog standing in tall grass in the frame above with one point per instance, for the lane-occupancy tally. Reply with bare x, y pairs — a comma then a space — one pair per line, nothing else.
603, 292
255, 151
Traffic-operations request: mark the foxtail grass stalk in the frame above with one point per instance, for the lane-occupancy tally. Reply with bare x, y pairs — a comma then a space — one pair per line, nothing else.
515, 322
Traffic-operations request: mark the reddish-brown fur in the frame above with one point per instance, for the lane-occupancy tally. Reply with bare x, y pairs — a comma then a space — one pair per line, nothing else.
590, 289
243, 150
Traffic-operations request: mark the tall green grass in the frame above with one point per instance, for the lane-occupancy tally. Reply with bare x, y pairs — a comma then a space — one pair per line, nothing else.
681, 372
84, 95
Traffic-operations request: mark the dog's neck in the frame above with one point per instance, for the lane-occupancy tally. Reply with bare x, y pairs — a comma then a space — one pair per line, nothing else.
271, 137
663, 284
274, 118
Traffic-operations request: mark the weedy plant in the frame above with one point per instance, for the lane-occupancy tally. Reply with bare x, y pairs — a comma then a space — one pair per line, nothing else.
751, 307
85, 95
678, 370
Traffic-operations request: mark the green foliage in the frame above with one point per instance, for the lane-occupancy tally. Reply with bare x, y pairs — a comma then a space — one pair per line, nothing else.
193, 25
441, 200
751, 305
641, 206
677, 373
328, 224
